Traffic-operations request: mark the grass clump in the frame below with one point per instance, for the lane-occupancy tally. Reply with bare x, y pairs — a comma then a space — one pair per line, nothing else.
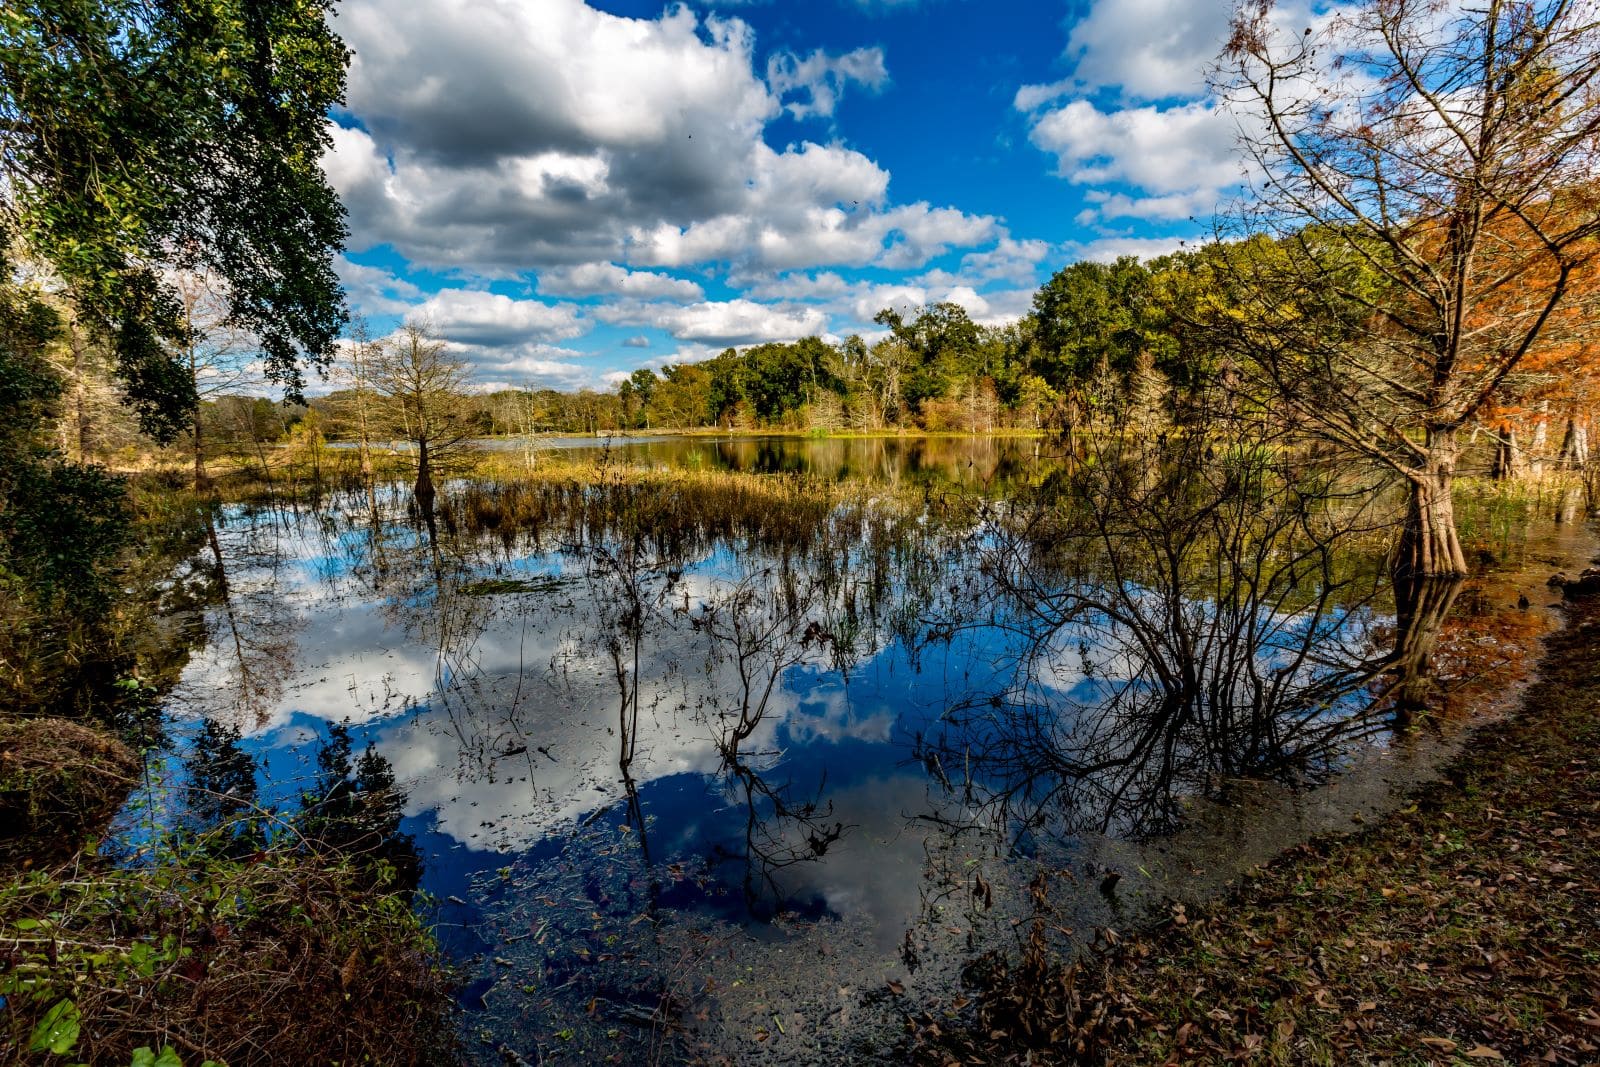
59, 781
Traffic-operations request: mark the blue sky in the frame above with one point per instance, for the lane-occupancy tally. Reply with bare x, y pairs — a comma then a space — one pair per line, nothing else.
566, 191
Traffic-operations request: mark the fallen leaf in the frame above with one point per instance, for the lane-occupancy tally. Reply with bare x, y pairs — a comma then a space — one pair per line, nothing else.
1484, 1052
1443, 1044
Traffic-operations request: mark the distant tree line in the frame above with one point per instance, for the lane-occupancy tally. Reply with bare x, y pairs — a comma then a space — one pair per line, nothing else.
1102, 344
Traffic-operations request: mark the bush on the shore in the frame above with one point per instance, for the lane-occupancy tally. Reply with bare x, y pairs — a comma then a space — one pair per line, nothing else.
59, 782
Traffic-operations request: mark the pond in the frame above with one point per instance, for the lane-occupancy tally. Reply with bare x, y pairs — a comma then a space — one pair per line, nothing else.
737, 746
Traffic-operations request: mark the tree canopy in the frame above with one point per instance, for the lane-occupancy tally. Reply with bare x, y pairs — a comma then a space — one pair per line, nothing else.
137, 135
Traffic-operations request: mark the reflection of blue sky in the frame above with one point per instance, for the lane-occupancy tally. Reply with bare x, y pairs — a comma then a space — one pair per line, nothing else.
446, 691
499, 713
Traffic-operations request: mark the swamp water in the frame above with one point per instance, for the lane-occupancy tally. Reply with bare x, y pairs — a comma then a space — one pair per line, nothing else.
741, 756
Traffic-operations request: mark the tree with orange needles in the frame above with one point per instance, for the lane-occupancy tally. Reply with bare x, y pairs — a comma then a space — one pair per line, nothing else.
1430, 171
1559, 378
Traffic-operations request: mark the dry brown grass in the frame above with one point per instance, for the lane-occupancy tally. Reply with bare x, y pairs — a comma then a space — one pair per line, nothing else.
281, 958
59, 781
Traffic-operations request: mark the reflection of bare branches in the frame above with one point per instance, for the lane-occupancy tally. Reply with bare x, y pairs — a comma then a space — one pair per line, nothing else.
259, 652
765, 625
1182, 619
631, 585
779, 831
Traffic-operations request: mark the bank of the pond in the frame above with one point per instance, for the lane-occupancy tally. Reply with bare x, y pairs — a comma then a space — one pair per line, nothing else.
1462, 929
273, 958
259, 955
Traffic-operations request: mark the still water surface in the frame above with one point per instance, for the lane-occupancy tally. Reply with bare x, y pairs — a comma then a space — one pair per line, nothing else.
699, 792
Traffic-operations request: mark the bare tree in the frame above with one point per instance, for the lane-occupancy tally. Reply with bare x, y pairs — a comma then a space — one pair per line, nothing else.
425, 389
356, 405
1429, 170
1178, 621
215, 351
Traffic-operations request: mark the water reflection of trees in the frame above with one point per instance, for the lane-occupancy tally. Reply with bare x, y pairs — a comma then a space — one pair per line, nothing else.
1180, 618
697, 596
742, 634
762, 626
689, 599
1176, 618
252, 628
350, 809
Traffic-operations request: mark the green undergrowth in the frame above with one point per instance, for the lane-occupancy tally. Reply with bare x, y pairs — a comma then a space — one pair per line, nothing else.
273, 958
1464, 929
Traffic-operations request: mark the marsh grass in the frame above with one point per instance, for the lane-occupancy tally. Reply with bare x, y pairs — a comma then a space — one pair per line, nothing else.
1496, 517
675, 514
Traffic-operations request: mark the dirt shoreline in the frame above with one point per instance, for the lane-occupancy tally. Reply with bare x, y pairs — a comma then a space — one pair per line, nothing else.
1464, 928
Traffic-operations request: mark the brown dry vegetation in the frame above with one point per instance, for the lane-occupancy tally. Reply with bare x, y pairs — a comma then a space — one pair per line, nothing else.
59, 781
276, 959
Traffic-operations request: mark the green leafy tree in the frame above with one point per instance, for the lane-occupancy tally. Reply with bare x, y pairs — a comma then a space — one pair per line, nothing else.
62, 525
1093, 322
935, 348
136, 134
683, 396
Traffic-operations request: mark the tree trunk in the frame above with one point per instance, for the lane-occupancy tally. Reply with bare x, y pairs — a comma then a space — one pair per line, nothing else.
201, 481
424, 487
1536, 450
80, 399
364, 442
1575, 444
1429, 544
1507, 459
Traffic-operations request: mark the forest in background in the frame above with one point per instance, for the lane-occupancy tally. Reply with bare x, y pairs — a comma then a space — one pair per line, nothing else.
1124, 345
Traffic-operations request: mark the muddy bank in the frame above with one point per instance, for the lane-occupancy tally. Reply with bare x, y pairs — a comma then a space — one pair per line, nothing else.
1463, 925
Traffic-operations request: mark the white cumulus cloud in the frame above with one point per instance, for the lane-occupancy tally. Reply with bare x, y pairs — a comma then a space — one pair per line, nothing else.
822, 78
498, 137
608, 279
476, 317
